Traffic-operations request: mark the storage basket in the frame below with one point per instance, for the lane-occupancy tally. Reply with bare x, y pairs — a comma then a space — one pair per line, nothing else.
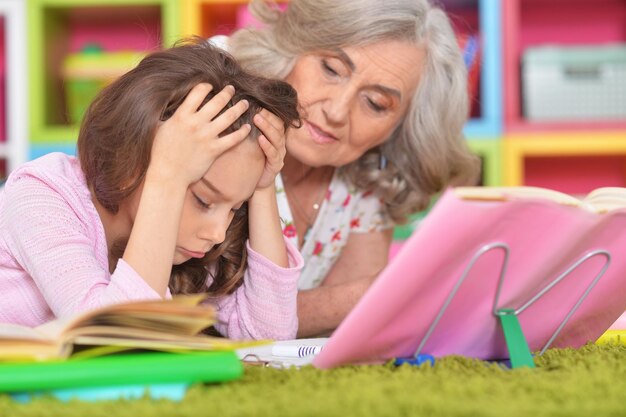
574, 83
88, 71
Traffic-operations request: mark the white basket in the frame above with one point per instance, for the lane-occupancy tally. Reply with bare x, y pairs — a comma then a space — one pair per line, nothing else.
574, 83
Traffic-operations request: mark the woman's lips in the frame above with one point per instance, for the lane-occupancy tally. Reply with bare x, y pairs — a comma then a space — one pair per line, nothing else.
318, 135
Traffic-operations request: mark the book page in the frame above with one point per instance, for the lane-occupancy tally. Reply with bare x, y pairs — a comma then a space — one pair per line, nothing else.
185, 321
180, 315
607, 199
53, 329
174, 323
509, 193
147, 339
19, 343
16, 332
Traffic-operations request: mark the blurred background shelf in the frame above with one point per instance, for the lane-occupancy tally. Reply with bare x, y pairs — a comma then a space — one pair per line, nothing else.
39, 37
574, 163
60, 28
562, 23
13, 116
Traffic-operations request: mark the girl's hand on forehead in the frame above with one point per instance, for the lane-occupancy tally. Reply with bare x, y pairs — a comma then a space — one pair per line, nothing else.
187, 144
272, 141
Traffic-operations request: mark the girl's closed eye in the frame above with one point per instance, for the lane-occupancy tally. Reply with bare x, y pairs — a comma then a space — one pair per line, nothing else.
200, 201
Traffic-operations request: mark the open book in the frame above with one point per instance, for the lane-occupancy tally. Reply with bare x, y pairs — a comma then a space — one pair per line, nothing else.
157, 325
555, 262
600, 200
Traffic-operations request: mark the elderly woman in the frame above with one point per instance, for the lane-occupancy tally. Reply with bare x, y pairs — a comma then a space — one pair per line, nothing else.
382, 89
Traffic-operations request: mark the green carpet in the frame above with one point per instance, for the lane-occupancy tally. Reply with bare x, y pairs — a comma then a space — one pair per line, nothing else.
585, 382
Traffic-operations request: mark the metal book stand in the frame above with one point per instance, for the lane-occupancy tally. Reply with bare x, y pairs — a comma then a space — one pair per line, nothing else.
519, 351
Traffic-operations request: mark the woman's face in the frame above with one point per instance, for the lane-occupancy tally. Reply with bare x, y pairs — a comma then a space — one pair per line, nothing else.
353, 99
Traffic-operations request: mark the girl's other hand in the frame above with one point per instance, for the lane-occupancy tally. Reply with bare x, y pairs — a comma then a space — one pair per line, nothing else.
272, 141
187, 144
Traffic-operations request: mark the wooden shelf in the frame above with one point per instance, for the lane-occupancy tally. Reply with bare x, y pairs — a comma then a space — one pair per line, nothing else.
514, 150
530, 23
61, 27
207, 18
14, 143
488, 123
490, 152
572, 162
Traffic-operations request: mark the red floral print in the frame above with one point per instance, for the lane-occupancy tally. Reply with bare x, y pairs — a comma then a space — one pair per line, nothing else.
289, 230
318, 248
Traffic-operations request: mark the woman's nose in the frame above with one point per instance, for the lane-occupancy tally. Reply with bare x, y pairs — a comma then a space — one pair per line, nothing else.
337, 105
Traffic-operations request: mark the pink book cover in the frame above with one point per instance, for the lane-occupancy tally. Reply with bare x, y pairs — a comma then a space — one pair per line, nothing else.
545, 239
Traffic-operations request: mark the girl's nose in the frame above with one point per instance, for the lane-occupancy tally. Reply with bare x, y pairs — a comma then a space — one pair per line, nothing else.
214, 229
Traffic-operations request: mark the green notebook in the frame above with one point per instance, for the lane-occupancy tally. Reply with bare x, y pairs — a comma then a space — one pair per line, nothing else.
145, 368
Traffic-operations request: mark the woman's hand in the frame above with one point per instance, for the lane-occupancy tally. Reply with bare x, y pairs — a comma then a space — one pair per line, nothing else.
322, 309
187, 144
272, 141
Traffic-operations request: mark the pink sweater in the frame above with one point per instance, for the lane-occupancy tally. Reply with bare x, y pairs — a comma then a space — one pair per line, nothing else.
53, 260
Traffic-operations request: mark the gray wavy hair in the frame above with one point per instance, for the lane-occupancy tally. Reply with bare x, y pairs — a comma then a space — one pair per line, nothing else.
427, 151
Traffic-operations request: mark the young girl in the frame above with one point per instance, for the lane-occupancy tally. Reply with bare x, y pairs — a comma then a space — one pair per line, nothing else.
157, 201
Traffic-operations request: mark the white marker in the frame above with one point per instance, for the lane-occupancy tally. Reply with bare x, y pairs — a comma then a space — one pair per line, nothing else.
295, 351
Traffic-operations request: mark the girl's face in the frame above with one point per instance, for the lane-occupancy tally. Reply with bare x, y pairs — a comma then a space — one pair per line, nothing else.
210, 203
353, 99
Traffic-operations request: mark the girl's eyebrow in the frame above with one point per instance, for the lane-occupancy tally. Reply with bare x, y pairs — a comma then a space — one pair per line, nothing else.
343, 56
216, 191
212, 187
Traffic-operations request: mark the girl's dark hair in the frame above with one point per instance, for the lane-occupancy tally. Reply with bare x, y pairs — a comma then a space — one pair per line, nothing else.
117, 132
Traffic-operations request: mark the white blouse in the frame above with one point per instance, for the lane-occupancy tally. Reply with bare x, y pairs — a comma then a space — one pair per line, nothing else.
344, 210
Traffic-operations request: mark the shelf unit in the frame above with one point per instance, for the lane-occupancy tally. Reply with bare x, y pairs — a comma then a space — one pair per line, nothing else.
470, 17
484, 128
207, 18
60, 27
574, 156
490, 152
571, 157
13, 119
574, 163
558, 22
482, 17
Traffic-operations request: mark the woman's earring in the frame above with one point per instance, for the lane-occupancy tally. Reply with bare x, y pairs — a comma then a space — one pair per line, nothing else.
383, 162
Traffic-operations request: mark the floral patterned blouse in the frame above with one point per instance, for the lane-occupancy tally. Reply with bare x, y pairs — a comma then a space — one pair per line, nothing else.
345, 210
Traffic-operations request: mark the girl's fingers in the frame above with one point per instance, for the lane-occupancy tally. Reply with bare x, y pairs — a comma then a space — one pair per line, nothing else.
214, 106
195, 97
224, 120
226, 142
268, 148
274, 120
263, 120
275, 158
